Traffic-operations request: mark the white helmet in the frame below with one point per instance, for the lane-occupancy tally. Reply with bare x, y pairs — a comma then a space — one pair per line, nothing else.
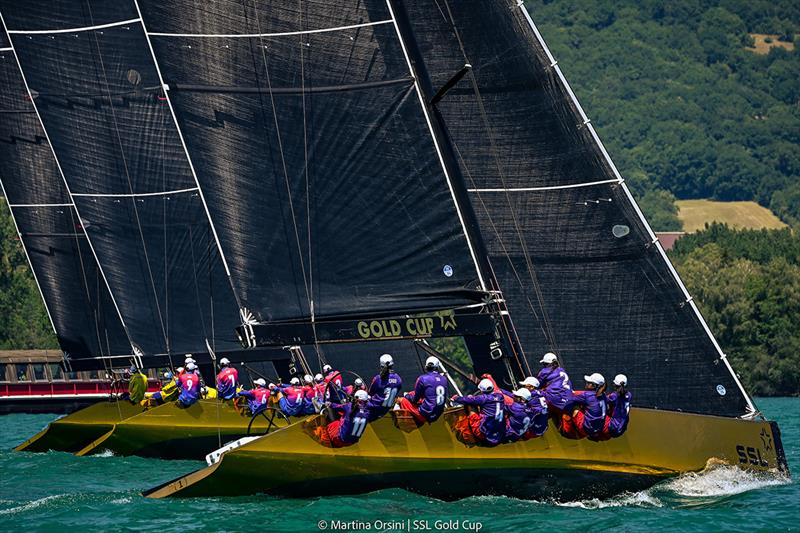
326, 369
167, 375
190, 366
358, 382
523, 393
486, 385
549, 358
362, 395
386, 360
530, 381
261, 382
433, 362
308, 379
179, 369
189, 359
294, 381
595, 378
224, 362
318, 378
621, 380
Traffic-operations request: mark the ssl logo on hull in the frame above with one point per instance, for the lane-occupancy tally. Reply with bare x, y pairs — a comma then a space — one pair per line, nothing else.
750, 455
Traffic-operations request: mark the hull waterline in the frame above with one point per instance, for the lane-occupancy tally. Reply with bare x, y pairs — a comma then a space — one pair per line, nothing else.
432, 461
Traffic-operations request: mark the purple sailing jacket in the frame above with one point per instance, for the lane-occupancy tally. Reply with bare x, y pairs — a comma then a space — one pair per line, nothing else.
518, 419
556, 386
493, 424
594, 410
354, 420
538, 406
431, 390
382, 394
620, 407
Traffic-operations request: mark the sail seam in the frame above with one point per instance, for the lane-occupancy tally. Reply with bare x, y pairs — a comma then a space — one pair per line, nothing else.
662, 252
438, 149
16, 206
75, 30
279, 34
549, 188
135, 194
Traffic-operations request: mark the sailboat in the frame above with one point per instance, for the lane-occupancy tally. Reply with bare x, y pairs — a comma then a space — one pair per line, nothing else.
365, 174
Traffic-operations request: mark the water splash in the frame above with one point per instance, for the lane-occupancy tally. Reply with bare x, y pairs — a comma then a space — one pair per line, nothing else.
721, 481
31, 505
104, 453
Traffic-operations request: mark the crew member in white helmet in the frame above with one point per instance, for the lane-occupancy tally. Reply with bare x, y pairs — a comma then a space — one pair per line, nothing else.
619, 406
227, 380
555, 383
384, 389
588, 411
427, 401
488, 424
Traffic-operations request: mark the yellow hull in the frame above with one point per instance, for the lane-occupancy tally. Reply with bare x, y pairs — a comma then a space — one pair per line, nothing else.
74, 431
431, 460
172, 432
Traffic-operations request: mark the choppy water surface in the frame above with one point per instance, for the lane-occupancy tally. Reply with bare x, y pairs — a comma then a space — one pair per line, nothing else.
45, 492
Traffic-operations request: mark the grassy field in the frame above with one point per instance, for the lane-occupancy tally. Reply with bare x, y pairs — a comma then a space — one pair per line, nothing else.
696, 213
762, 46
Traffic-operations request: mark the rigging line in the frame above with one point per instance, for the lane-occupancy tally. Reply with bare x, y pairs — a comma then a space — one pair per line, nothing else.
76, 30
283, 157
165, 88
752, 410
130, 182
311, 305
515, 218
64, 180
164, 225
426, 114
262, 35
549, 188
496, 231
135, 194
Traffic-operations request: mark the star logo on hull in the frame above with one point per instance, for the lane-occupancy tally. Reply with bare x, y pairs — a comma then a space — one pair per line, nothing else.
766, 439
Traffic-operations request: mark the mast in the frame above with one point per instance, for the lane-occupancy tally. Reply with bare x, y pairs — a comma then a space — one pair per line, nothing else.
450, 167
752, 411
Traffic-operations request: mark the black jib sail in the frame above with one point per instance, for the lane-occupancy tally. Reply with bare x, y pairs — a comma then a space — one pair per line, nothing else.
77, 301
582, 272
91, 77
307, 134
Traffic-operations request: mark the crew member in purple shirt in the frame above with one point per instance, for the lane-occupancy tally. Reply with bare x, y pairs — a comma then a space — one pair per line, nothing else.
258, 398
589, 410
352, 421
619, 406
488, 425
384, 389
538, 407
427, 401
518, 416
555, 383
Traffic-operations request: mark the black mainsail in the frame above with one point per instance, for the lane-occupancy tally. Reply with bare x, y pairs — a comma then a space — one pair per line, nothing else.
75, 296
90, 74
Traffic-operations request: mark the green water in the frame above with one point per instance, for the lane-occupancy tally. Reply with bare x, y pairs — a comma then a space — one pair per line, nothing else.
60, 492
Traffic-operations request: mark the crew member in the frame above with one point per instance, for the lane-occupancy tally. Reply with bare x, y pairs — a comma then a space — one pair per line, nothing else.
383, 390
589, 410
538, 407
190, 386
258, 398
137, 385
488, 425
309, 396
333, 384
358, 384
352, 421
169, 390
427, 401
619, 405
290, 397
555, 383
227, 380
518, 416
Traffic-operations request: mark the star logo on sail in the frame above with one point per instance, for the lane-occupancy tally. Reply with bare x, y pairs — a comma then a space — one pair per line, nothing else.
766, 439
447, 321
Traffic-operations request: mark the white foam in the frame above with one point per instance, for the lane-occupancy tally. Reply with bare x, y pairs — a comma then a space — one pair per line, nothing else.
720, 481
636, 499
121, 501
104, 453
31, 505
